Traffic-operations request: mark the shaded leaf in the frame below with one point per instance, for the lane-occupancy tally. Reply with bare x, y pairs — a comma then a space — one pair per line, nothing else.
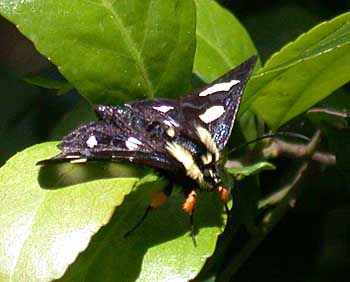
160, 249
45, 82
252, 169
302, 73
222, 42
114, 50
250, 126
50, 214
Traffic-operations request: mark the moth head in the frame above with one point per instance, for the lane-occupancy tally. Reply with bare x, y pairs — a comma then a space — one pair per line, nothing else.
211, 175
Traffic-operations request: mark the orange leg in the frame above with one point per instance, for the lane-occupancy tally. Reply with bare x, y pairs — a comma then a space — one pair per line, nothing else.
190, 203
188, 206
224, 195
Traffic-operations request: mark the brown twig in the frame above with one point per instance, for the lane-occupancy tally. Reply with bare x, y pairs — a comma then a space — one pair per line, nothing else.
279, 148
274, 216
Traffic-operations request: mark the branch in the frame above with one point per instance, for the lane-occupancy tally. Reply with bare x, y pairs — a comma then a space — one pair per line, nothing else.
272, 218
280, 148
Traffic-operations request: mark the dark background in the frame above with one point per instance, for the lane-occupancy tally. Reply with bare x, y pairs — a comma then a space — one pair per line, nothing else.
312, 243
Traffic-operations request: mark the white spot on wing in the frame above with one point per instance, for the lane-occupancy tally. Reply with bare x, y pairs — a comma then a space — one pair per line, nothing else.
212, 113
163, 108
91, 142
132, 143
78, 161
171, 123
72, 157
218, 87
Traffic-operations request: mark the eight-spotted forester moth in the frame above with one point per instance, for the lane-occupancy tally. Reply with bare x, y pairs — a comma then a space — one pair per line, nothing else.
182, 138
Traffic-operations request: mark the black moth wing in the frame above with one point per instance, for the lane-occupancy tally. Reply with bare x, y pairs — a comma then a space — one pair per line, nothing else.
185, 113
215, 106
138, 131
135, 132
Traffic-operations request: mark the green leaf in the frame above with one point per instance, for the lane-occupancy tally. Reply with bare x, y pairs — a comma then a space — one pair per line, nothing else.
45, 82
222, 42
160, 249
44, 229
112, 51
251, 169
249, 126
302, 73
49, 215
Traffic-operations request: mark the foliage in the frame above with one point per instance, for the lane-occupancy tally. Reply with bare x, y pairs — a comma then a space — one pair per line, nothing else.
68, 222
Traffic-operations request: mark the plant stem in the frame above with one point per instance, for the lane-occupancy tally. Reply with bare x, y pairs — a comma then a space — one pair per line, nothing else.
280, 148
271, 219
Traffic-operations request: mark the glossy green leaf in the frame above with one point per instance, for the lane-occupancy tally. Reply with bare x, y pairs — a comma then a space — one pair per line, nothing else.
249, 126
43, 229
112, 51
251, 169
302, 73
222, 42
160, 249
49, 215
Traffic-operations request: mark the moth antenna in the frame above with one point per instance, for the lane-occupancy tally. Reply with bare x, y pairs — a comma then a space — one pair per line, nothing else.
281, 133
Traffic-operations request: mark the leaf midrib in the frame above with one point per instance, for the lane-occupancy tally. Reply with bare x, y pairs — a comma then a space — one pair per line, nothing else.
135, 54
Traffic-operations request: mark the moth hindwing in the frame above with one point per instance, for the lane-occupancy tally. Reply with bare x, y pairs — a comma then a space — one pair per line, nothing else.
182, 138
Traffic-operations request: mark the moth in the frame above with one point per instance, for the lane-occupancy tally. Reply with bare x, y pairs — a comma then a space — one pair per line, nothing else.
181, 138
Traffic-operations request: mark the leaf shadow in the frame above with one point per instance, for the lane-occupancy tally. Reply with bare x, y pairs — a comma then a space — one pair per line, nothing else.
57, 176
163, 236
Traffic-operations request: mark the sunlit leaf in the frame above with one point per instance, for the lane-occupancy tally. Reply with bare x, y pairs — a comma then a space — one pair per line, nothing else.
302, 73
112, 51
222, 42
43, 229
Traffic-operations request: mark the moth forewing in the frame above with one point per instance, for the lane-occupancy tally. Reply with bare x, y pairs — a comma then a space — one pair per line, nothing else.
180, 137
